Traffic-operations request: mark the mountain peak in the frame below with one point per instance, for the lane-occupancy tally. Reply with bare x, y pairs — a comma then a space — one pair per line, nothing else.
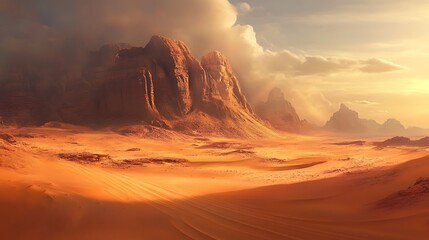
214, 58
392, 125
163, 45
344, 107
392, 121
347, 120
280, 113
276, 95
158, 39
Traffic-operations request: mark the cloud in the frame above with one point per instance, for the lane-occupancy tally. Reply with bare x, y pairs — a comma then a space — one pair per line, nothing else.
292, 64
50, 39
376, 65
321, 65
57, 27
363, 102
56, 35
366, 102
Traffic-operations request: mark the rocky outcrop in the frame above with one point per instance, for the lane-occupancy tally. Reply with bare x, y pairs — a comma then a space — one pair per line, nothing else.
160, 84
404, 141
395, 141
161, 80
163, 83
177, 73
280, 113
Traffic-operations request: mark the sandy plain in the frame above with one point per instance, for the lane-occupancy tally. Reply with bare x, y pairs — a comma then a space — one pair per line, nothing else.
68, 182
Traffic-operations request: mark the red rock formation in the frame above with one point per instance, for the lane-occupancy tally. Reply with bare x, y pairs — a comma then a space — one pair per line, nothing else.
174, 78
177, 82
128, 95
161, 83
223, 84
181, 72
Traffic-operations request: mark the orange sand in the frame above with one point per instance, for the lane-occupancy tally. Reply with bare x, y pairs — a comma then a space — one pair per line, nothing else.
182, 187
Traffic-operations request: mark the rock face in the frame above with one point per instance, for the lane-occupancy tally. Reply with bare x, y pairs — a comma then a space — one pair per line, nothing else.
161, 83
280, 113
164, 81
222, 83
128, 96
18, 100
151, 82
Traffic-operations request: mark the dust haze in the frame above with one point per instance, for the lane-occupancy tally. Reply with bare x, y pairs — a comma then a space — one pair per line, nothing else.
164, 119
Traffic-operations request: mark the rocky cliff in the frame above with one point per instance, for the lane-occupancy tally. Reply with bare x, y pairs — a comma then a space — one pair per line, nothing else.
161, 84
18, 100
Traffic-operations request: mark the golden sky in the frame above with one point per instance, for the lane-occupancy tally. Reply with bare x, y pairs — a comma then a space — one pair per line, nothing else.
392, 30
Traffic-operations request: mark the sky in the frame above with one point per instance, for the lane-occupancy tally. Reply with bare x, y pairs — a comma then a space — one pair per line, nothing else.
392, 30
370, 55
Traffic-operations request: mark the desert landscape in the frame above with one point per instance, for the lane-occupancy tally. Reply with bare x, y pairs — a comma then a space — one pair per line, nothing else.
175, 120
68, 183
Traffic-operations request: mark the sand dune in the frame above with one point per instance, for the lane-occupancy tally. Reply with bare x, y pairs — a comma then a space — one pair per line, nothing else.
66, 184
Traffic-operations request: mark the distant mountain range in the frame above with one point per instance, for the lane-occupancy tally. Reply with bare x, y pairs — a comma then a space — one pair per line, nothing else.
347, 121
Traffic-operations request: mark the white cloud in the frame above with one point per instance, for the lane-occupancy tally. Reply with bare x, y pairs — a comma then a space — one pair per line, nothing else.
376, 65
